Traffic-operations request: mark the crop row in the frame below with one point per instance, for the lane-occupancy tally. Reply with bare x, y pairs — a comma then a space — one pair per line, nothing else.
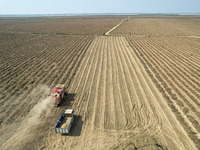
57, 63
158, 27
177, 87
60, 26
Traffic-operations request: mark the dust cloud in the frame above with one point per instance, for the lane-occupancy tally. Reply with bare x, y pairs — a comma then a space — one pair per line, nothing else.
40, 110
25, 131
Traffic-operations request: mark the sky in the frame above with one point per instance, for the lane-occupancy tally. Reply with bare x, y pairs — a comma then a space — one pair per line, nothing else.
98, 6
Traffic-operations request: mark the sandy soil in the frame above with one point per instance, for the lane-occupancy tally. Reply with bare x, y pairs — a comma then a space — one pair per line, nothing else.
160, 26
60, 25
128, 92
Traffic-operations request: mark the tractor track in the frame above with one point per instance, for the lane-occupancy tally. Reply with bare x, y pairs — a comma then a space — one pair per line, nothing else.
180, 81
36, 81
18, 113
146, 53
139, 85
117, 99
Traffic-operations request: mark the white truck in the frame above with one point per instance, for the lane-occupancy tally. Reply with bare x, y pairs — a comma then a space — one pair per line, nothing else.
65, 122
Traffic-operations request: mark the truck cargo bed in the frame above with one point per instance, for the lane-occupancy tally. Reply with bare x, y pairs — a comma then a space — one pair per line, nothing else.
64, 124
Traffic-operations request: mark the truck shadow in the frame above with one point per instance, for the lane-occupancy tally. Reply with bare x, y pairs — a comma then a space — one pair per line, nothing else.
76, 127
67, 100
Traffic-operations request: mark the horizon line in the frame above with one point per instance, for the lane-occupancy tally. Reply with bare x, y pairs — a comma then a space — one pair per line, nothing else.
87, 14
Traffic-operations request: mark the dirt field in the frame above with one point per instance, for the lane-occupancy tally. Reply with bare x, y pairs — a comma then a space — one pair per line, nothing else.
128, 91
160, 26
60, 25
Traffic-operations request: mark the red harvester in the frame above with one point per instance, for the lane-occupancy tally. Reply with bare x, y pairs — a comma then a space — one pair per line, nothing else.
58, 93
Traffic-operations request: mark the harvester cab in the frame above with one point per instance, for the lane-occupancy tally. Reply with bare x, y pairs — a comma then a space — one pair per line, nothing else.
58, 93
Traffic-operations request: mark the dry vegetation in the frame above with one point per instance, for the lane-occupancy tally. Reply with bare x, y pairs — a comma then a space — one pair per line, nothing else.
139, 90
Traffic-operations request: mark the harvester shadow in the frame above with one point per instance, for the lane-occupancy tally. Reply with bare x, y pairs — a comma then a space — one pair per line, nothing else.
66, 102
76, 127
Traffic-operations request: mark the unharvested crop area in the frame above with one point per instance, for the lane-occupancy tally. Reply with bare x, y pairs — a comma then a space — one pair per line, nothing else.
138, 88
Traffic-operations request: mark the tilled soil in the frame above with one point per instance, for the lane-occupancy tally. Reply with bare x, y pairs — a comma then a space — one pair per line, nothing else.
128, 92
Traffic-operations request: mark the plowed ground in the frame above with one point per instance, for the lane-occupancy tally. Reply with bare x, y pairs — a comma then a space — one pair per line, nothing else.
59, 25
160, 26
27, 66
128, 92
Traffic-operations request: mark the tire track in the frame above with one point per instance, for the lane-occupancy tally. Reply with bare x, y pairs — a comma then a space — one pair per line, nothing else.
25, 103
35, 69
133, 98
53, 83
29, 104
184, 89
109, 113
123, 120
179, 115
150, 98
91, 61
183, 64
174, 81
96, 119
143, 107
